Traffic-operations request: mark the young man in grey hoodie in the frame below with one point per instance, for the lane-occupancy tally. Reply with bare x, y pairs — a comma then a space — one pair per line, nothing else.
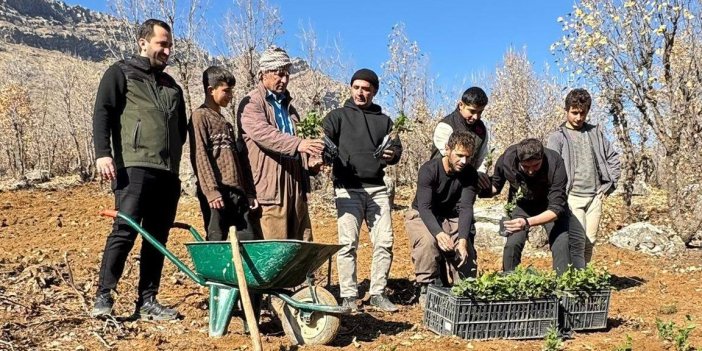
592, 165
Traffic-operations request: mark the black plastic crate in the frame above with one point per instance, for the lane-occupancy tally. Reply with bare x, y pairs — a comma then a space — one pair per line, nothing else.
586, 311
446, 314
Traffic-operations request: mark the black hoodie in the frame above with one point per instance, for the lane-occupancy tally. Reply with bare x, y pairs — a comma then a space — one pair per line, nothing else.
358, 133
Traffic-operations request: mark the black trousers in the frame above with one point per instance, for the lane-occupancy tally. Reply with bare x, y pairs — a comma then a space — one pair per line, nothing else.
557, 240
150, 197
234, 214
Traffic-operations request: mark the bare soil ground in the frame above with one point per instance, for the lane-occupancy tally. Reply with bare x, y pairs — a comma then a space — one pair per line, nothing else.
51, 243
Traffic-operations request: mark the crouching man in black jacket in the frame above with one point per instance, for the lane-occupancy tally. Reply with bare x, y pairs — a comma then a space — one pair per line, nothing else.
540, 175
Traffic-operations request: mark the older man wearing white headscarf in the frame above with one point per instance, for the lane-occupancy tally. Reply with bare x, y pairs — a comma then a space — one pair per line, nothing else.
280, 160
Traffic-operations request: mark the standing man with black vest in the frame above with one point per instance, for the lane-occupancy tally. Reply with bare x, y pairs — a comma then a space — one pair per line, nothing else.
361, 131
466, 118
139, 127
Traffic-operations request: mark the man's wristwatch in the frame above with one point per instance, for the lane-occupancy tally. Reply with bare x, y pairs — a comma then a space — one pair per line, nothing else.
526, 225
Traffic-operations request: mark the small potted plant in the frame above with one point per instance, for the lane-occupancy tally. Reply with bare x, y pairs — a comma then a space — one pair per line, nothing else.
509, 207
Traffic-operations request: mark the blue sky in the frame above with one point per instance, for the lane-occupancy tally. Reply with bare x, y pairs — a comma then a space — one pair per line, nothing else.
461, 37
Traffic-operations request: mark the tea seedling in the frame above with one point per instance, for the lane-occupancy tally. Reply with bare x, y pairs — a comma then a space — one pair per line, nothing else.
626, 346
552, 342
678, 335
311, 126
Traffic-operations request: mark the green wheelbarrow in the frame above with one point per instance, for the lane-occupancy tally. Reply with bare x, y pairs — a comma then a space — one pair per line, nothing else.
274, 267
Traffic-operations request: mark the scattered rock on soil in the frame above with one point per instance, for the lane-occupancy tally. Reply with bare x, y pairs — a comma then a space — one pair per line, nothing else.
647, 238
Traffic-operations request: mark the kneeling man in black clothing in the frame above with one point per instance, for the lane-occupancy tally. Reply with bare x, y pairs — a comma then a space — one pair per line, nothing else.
439, 223
540, 175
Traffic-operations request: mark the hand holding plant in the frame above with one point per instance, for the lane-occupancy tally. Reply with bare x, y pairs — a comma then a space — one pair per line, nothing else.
509, 208
311, 126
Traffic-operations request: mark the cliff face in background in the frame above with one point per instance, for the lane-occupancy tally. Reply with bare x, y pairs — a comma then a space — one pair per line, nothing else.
53, 25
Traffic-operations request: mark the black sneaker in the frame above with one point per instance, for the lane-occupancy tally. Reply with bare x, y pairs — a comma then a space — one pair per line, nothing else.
382, 303
152, 310
351, 303
103, 306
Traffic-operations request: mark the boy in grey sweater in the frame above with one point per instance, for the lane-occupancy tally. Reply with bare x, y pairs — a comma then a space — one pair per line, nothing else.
592, 165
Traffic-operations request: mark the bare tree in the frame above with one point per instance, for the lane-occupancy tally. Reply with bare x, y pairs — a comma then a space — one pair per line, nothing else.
407, 84
643, 57
59, 91
402, 72
317, 78
522, 103
77, 112
250, 28
15, 116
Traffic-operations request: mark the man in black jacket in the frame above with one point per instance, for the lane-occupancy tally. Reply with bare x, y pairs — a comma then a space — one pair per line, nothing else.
139, 126
539, 175
440, 221
362, 133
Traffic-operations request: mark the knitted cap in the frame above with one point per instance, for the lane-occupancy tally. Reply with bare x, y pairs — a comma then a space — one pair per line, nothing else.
274, 58
367, 75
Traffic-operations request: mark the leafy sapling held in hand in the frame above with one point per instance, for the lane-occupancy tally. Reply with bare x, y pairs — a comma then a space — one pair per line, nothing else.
509, 208
401, 125
311, 126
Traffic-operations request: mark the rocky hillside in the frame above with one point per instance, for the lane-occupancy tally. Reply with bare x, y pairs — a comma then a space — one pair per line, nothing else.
53, 25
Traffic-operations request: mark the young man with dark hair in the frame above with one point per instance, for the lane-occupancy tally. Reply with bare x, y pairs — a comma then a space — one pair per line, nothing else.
591, 163
467, 117
139, 127
224, 182
441, 217
540, 175
359, 129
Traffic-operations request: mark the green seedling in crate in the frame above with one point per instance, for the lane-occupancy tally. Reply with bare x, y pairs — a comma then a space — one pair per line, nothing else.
585, 280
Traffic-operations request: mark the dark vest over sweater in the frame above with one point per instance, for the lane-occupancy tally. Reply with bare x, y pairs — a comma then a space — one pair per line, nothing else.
458, 124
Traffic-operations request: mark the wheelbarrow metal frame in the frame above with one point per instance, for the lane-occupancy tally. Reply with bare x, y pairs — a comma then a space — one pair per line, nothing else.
223, 297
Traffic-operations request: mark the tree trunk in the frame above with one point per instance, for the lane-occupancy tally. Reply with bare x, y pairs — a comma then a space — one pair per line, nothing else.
621, 127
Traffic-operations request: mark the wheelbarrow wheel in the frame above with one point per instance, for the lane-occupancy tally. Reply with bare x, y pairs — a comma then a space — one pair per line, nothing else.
318, 328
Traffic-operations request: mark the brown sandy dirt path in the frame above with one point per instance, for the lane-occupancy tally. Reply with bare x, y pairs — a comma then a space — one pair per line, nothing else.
51, 243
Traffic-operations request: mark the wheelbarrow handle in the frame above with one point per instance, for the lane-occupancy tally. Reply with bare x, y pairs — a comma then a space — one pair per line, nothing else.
189, 228
155, 243
109, 213
179, 225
